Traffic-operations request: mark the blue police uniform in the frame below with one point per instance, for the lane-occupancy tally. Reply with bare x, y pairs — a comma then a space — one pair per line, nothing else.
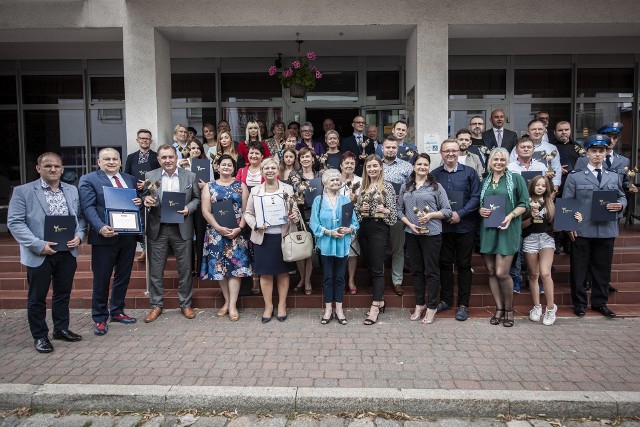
593, 247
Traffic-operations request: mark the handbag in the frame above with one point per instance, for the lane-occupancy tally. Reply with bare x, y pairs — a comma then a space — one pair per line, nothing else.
297, 245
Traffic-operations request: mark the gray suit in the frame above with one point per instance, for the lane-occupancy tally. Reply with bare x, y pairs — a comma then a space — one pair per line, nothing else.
179, 237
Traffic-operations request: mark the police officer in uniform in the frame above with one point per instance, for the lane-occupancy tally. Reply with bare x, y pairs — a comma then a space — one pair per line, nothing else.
593, 242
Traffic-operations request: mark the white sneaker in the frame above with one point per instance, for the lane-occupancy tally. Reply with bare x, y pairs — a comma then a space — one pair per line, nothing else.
536, 313
550, 316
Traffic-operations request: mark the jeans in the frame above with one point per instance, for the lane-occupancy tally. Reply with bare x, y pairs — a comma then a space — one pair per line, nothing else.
373, 238
424, 252
333, 271
457, 248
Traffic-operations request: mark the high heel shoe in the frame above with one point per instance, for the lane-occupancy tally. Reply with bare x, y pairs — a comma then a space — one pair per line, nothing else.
326, 320
282, 318
506, 322
430, 316
379, 308
268, 319
298, 288
307, 291
223, 312
341, 320
418, 312
353, 290
495, 320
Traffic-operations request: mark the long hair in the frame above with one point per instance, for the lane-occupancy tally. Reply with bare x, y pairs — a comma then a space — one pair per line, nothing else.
232, 145
200, 146
295, 165
246, 131
431, 180
366, 181
547, 202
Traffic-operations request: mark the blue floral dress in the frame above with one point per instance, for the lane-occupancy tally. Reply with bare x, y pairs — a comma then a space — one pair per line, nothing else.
222, 256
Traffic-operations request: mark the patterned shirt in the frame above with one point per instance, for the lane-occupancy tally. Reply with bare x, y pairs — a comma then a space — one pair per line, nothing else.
426, 195
55, 199
397, 171
143, 157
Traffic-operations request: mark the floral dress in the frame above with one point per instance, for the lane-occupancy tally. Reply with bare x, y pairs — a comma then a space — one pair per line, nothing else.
222, 256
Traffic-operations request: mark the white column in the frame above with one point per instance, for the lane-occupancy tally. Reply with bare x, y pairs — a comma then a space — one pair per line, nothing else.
147, 83
427, 66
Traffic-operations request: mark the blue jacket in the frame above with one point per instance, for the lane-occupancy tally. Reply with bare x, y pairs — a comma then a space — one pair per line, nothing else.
463, 178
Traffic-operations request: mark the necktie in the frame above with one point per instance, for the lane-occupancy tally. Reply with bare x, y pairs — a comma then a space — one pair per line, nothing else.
359, 138
499, 139
608, 161
118, 183
599, 176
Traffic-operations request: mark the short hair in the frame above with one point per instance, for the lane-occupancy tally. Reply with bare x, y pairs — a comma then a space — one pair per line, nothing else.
276, 123
108, 149
308, 124
48, 154
524, 139
192, 129
533, 121
401, 122
167, 147
328, 174
535, 116
463, 130
563, 122
477, 117
227, 157
390, 138
306, 150
448, 141
293, 123
348, 155
144, 131
255, 145
267, 161
290, 133
496, 111
178, 126
332, 132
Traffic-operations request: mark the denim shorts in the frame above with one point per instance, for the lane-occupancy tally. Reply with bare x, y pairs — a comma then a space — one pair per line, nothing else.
536, 241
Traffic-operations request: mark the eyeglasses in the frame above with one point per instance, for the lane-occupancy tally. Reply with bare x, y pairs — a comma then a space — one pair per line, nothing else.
358, 123
144, 139
449, 152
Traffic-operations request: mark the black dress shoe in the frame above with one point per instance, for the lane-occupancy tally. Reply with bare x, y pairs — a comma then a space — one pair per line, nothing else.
43, 345
579, 310
604, 310
612, 289
66, 335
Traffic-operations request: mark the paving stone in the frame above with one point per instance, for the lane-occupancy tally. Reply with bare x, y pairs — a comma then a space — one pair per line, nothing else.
366, 422
540, 423
127, 421
518, 423
10, 421
38, 420
154, 422
210, 422
73, 421
303, 422
383, 422
454, 422
331, 421
244, 421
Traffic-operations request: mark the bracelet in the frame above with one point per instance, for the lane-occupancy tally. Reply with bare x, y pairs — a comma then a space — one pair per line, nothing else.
514, 214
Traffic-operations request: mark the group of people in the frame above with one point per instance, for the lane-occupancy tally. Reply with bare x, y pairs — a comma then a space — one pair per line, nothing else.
431, 216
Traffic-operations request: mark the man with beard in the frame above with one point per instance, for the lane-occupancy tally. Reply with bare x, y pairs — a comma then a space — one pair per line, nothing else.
477, 147
465, 157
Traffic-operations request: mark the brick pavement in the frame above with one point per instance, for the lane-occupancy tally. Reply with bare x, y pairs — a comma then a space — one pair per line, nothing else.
590, 354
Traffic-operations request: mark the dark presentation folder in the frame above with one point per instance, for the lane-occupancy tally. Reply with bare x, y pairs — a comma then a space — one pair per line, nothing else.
59, 229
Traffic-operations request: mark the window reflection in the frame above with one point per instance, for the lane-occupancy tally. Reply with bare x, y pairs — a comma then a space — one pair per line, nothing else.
108, 129
194, 117
590, 116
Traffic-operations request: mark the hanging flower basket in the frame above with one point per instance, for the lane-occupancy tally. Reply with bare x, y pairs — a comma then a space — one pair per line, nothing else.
297, 90
299, 76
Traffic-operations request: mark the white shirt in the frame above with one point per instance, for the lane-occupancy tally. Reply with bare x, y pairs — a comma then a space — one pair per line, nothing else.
555, 162
113, 181
170, 183
462, 160
535, 166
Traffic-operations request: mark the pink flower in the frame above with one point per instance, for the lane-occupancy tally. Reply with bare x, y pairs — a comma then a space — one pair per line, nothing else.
311, 56
288, 72
314, 69
296, 64
318, 75
273, 70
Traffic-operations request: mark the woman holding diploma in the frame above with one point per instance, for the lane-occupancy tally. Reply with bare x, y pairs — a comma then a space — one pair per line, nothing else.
333, 239
351, 189
267, 238
422, 205
498, 245
376, 211
226, 250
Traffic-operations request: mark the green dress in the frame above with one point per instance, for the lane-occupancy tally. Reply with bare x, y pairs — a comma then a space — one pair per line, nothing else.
505, 242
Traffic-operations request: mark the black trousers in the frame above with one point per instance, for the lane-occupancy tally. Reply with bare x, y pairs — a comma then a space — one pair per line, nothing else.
57, 269
594, 255
373, 238
457, 248
200, 226
424, 252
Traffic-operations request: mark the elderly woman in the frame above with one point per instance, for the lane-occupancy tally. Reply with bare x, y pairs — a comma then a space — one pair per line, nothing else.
266, 240
376, 210
351, 189
498, 245
306, 132
422, 205
226, 251
333, 240
291, 139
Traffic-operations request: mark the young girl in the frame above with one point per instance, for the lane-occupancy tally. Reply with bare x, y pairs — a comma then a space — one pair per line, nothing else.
288, 164
538, 247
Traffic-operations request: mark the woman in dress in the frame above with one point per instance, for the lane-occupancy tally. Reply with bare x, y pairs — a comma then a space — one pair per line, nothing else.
250, 175
288, 164
209, 132
225, 145
267, 242
422, 205
333, 240
351, 189
226, 251
332, 156
252, 134
306, 158
376, 211
498, 245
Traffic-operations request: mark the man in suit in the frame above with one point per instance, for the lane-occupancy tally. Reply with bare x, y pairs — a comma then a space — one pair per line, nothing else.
29, 206
592, 248
353, 143
498, 136
111, 253
161, 235
149, 159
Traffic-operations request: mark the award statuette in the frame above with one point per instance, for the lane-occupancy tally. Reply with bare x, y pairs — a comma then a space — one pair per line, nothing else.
497, 205
120, 211
548, 157
59, 229
631, 173
378, 199
536, 205
423, 229
363, 145
366, 198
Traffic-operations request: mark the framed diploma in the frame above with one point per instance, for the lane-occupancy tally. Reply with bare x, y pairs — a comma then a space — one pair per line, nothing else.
224, 214
529, 175
270, 210
346, 215
119, 207
125, 221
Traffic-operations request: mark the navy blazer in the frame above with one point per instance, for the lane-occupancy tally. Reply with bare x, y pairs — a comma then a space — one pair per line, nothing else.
509, 139
349, 144
132, 159
92, 204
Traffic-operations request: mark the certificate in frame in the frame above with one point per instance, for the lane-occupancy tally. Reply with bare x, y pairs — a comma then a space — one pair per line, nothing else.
125, 222
270, 210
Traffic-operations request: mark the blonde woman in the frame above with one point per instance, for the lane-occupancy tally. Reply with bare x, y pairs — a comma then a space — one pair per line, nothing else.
252, 134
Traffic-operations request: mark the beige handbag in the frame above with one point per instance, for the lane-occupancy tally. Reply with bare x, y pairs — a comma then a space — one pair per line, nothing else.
297, 245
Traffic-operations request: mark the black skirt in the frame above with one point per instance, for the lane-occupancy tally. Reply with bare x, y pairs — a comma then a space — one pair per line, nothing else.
268, 256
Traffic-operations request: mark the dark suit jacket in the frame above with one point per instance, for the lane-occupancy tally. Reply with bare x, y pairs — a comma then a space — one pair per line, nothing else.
132, 159
189, 186
92, 203
509, 139
349, 144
